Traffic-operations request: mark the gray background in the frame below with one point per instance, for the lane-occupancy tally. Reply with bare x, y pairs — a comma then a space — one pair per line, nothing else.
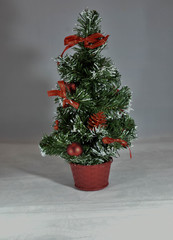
32, 32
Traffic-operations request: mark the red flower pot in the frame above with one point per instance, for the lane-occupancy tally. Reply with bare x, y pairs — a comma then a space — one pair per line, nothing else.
91, 177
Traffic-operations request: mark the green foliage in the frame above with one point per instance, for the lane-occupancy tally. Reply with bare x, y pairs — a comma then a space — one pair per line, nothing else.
98, 88
88, 23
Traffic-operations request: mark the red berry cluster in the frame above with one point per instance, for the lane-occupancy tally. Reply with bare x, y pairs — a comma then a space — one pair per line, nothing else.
71, 87
56, 125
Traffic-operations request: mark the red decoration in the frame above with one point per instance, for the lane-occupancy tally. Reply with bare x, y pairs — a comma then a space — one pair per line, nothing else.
74, 149
71, 87
96, 120
91, 177
121, 110
56, 125
107, 140
92, 41
62, 93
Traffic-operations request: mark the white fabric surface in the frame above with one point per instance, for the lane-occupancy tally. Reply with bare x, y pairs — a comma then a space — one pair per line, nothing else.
38, 200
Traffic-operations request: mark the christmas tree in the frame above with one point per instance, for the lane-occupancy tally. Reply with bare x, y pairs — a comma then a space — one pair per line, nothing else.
92, 121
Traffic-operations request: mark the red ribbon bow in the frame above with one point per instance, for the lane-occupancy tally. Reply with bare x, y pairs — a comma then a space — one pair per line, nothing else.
107, 140
62, 93
92, 41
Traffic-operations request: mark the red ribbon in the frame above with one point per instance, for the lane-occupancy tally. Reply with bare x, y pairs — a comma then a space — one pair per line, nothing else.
107, 140
91, 42
62, 93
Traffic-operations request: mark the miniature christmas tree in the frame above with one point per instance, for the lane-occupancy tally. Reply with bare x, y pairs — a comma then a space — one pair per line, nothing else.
92, 121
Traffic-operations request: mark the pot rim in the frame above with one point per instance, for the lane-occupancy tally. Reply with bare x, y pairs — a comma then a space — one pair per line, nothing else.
94, 165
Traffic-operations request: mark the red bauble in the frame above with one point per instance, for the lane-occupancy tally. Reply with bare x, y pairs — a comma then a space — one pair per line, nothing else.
74, 149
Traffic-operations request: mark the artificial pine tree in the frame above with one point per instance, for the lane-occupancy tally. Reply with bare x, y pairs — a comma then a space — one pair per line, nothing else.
92, 119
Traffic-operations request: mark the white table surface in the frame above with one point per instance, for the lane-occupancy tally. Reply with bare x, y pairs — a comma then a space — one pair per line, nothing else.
39, 202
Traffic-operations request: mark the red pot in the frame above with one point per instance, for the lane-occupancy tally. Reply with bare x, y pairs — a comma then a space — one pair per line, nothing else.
91, 177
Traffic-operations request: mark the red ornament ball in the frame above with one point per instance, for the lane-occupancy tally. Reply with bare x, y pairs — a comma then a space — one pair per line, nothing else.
74, 149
